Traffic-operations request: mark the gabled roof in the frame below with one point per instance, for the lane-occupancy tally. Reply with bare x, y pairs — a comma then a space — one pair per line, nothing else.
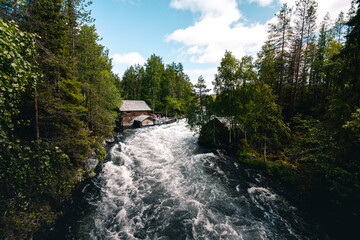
142, 117
134, 105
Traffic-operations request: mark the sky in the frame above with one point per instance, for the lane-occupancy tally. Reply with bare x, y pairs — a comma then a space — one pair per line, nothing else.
193, 32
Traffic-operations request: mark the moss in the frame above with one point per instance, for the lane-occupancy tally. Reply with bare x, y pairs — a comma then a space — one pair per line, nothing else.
101, 154
279, 169
253, 163
285, 172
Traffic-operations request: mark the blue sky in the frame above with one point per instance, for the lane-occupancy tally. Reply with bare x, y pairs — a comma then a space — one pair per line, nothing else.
193, 32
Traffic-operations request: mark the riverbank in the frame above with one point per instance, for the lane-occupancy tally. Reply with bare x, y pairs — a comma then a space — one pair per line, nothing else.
301, 184
75, 206
327, 193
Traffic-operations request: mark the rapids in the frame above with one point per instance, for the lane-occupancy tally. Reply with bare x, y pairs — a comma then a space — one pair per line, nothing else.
159, 184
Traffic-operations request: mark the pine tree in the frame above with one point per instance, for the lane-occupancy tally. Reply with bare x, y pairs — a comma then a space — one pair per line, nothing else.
304, 33
266, 65
201, 91
154, 71
339, 28
351, 54
279, 38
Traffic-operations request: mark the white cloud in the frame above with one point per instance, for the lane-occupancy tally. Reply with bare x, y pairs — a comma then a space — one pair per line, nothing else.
227, 10
129, 58
262, 3
218, 29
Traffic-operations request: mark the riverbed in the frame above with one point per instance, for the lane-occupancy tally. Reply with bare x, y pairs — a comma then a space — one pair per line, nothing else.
159, 184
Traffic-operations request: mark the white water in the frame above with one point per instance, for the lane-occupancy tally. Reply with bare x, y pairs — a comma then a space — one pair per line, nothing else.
158, 185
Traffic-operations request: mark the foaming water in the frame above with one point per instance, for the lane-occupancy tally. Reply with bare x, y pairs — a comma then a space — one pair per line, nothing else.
160, 185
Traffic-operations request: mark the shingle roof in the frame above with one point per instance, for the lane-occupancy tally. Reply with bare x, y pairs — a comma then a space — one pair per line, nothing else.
134, 105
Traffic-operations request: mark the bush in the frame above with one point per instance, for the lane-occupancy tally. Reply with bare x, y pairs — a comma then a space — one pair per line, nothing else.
34, 177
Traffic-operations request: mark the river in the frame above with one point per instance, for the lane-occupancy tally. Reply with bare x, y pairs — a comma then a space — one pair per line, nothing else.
159, 184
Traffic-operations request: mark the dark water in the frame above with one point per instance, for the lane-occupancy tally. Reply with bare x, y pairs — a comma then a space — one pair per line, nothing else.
159, 184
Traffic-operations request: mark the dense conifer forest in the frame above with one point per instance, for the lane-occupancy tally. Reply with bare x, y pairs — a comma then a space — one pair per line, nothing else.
58, 101
166, 89
294, 112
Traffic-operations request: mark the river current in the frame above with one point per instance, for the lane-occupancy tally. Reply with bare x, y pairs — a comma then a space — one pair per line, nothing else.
159, 184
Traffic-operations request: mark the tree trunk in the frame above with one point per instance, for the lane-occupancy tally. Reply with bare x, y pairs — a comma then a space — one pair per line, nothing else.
298, 59
90, 108
36, 116
73, 50
229, 135
265, 151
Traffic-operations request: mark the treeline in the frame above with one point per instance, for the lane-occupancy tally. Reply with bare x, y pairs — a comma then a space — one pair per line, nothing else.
58, 101
166, 89
295, 111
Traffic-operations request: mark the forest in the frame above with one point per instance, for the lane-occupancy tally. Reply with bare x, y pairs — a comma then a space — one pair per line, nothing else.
59, 101
294, 112
166, 89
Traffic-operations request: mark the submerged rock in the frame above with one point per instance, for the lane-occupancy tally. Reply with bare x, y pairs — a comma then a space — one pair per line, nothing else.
91, 163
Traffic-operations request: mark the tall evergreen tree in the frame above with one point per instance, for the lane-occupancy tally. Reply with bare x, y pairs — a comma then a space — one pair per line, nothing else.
279, 38
154, 72
351, 54
339, 28
265, 65
304, 33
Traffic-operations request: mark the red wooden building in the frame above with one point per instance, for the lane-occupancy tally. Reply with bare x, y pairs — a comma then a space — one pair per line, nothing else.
135, 110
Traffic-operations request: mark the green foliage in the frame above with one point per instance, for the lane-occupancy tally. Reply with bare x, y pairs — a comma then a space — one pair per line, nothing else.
165, 89
227, 78
316, 153
262, 118
59, 75
132, 81
311, 142
200, 110
33, 177
99, 85
354, 125
285, 172
17, 74
251, 161
266, 65
279, 169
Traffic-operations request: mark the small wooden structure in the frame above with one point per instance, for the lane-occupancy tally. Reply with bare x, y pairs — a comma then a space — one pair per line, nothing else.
143, 120
134, 111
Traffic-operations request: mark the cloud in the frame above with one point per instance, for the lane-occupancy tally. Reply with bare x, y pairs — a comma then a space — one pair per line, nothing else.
218, 29
227, 10
262, 3
129, 58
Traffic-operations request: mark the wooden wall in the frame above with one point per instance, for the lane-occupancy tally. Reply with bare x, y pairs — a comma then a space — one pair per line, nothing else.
128, 116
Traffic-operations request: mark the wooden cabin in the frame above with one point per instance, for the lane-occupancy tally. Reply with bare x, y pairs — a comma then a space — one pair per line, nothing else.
135, 111
143, 120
